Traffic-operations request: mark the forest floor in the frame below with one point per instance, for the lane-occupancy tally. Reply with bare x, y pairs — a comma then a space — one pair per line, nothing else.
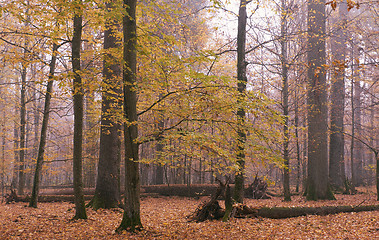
165, 218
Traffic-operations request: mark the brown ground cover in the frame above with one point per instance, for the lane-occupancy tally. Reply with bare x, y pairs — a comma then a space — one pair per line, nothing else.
165, 218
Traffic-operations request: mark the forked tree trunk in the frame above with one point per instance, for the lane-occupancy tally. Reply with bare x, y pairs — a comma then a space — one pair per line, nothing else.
45, 122
131, 219
78, 117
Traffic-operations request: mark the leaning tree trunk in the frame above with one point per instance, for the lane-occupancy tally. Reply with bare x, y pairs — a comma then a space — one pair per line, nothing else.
241, 115
45, 122
317, 185
336, 144
107, 192
131, 219
78, 118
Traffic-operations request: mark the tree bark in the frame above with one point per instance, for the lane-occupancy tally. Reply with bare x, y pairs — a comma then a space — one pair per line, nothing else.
317, 185
283, 59
78, 117
377, 174
241, 115
358, 146
16, 156
45, 122
131, 219
21, 163
298, 158
107, 193
159, 171
336, 144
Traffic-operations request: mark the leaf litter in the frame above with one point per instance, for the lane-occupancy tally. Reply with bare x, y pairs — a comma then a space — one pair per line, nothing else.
165, 218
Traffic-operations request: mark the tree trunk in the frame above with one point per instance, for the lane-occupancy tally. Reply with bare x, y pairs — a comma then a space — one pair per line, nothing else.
241, 115
373, 134
336, 144
352, 143
377, 174
317, 185
4, 139
78, 117
159, 171
358, 147
21, 163
107, 193
45, 122
283, 59
298, 158
16, 156
131, 219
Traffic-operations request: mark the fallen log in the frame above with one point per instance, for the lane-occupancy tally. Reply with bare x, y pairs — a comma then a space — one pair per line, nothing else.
289, 212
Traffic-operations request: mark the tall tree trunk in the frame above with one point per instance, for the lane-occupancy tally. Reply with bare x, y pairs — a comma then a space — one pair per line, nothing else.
78, 117
3, 138
107, 192
21, 166
298, 158
317, 185
45, 123
283, 60
352, 143
241, 114
374, 133
131, 219
358, 147
336, 144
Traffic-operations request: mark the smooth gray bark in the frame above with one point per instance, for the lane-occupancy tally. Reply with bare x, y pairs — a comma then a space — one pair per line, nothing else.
107, 192
336, 144
317, 182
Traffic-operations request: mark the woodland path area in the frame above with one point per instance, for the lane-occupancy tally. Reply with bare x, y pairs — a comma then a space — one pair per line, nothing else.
165, 218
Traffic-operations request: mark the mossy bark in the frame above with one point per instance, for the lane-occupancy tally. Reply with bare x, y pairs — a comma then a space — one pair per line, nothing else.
130, 223
313, 195
241, 98
228, 204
